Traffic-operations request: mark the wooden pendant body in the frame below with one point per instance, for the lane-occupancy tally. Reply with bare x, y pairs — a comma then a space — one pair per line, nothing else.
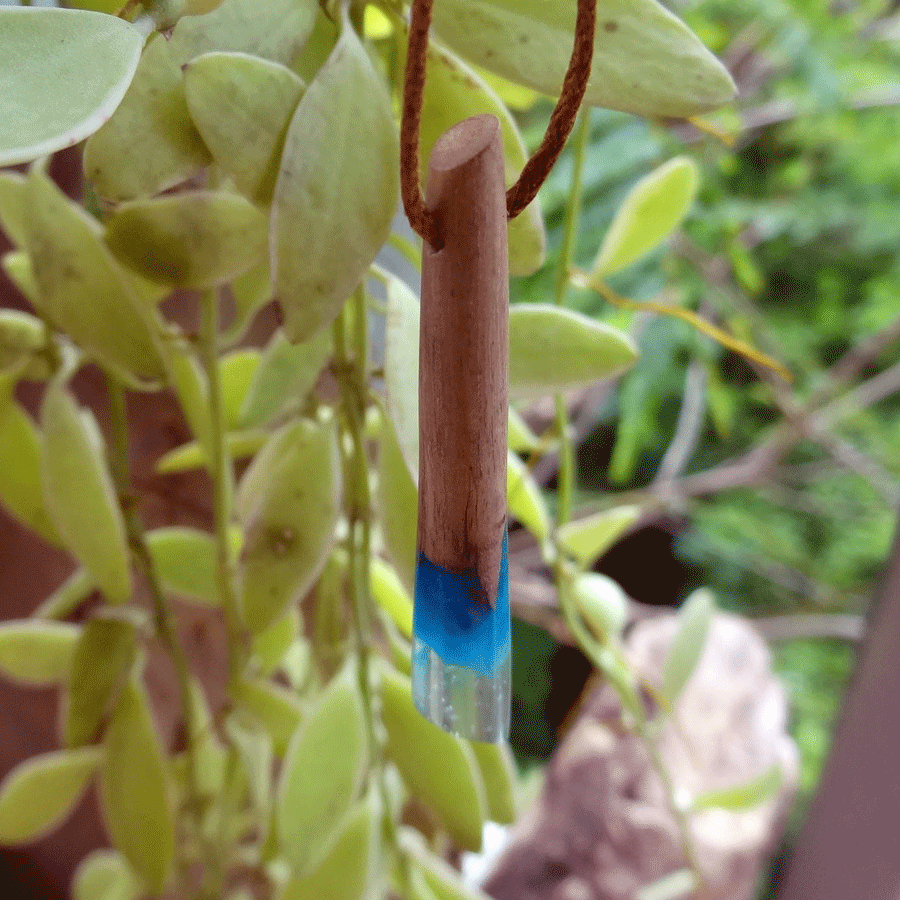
464, 357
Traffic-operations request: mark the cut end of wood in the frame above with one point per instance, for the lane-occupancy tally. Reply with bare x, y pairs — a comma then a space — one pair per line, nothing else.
463, 142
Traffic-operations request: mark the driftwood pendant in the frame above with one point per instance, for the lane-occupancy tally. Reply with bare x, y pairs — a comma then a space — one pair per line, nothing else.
461, 652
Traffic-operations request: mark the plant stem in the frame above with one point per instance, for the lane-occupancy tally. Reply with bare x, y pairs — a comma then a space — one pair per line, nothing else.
222, 478
163, 616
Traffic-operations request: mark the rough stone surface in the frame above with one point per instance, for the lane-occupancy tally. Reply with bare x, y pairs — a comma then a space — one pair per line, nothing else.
602, 827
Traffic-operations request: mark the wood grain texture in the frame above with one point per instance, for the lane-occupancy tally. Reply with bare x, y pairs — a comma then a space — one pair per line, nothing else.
464, 357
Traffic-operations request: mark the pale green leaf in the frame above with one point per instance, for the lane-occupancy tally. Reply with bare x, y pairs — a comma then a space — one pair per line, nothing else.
80, 494
237, 372
67, 597
653, 209
589, 538
41, 792
322, 772
250, 292
524, 499
440, 880
645, 61
37, 652
602, 603
100, 667
185, 560
401, 369
194, 239
498, 774
83, 290
257, 757
684, 654
192, 389
12, 207
136, 791
87, 57
242, 106
104, 875
238, 445
439, 769
521, 439
453, 92
273, 708
677, 885
398, 506
337, 187
389, 593
350, 869
553, 349
21, 488
288, 503
271, 645
18, 268
742, 796
21, 336
286, 374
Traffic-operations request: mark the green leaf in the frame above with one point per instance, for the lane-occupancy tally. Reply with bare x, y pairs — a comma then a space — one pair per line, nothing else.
21, 488
81, 496
154, 117
250, 293
185, 560
687, 647
401, 369
41, 792
322, 773
286, 374
646, 61
99, 669
192, 389
12, 207
288, 503
21, 336
36, 652
553, 349
273, 708
589, 538
67, 597
742, 796
242, 106
255, 749
653, 209
135, 790
441, 881
237, 371
453, 92
336, 192
670, 887
398, 506
521, 438
83, 290
602, 603
20, 271
498, 774
238, 445
524, 499
350, 870
104, 875
391, 596
89, 58
271, 645
439, 769
194, 239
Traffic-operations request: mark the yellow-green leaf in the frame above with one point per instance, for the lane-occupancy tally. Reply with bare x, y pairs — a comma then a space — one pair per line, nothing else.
498, 773
391, 596
271, 645
336, 192
99, 669
453, 92
185, 560
80, 494
440, 880
12, 207
653, 209
21, 488
238, 445
105, 875
18, 268
273, 708
237, 371
250, 293
602, 603
286, 374
322, 772
67, 597
192, 389
684, 654
524, 499
439, 769
21, 336
288, 503
742, 796
242, 106
553, 349
88, 58
521, 438
36, 652
42, 791
83, 290
645, 61
589, 538
136, 791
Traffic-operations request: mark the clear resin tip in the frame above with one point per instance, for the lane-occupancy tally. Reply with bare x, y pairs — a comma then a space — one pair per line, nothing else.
460, 700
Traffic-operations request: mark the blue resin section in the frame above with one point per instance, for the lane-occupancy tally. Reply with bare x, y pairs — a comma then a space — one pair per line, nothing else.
460, 631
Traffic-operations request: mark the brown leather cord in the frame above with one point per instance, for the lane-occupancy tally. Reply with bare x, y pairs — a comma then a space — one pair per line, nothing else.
537, 168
